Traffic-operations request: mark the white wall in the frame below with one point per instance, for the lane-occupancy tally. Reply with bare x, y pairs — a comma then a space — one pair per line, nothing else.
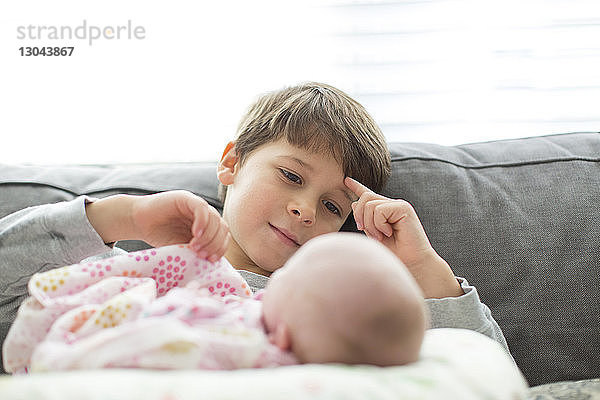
446, 71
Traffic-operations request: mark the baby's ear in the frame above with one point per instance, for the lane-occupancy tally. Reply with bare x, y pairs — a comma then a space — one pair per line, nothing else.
281, 337
227, 165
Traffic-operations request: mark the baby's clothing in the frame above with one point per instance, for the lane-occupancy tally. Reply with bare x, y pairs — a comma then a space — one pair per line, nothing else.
158, 308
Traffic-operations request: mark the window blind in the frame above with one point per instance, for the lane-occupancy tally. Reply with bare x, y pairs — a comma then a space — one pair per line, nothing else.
452, 71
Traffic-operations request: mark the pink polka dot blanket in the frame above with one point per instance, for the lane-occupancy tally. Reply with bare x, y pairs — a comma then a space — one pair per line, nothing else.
160, 308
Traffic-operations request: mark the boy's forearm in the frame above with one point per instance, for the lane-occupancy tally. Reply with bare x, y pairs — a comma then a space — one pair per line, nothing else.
111, 217
436, 279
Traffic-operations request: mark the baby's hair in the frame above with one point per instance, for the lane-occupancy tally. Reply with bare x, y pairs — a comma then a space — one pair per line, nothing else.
319, 118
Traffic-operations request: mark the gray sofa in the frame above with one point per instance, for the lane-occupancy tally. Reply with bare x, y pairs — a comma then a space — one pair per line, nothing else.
520, 219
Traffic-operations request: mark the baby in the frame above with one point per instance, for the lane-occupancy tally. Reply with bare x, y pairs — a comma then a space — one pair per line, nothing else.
348, 299
341, 298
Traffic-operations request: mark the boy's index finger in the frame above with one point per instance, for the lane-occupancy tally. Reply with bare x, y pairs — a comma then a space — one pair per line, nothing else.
356, 187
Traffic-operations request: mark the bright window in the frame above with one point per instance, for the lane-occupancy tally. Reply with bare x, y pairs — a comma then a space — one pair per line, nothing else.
445, 71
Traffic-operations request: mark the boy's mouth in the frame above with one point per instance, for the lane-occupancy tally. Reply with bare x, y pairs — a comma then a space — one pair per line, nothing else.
285, 235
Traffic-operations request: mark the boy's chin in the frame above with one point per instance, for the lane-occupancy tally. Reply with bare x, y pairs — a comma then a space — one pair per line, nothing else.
269, 264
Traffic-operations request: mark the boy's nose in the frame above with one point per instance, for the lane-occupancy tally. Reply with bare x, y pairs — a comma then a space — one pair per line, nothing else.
302, 214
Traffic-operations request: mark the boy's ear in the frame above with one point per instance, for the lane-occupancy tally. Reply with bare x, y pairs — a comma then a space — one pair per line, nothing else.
227, 166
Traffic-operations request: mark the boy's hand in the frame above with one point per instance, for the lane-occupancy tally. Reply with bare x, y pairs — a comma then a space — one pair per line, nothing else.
395, 224
174, 217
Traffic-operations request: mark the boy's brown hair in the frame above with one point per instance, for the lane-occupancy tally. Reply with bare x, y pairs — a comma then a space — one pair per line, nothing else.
319, 118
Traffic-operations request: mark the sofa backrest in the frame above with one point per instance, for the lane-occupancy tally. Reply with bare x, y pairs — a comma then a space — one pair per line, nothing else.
518, 218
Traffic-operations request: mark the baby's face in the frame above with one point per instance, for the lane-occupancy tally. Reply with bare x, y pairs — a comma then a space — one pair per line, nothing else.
281, 197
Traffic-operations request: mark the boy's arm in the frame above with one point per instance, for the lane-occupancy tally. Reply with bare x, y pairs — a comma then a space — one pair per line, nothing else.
40, 238
452, 302
395, 224
162, 219
47, 236
466, 312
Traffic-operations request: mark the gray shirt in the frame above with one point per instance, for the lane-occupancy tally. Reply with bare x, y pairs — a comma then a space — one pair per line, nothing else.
44, 237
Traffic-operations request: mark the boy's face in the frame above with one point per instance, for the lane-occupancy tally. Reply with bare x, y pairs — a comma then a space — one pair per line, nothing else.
281, 197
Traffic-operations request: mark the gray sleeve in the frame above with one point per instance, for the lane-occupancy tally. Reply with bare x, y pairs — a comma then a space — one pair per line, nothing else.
255, 281
466, 312
38, 239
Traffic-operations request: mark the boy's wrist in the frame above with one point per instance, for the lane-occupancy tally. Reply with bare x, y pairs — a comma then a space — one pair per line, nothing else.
435, 278
111, 217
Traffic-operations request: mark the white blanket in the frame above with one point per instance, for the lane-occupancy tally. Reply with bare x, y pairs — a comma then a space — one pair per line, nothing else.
454, 364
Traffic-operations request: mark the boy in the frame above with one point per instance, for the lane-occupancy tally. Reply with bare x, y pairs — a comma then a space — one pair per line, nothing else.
287, 178
107, 314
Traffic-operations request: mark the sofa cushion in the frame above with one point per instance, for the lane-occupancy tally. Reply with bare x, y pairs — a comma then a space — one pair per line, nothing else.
26, 185
520, 220
587, 389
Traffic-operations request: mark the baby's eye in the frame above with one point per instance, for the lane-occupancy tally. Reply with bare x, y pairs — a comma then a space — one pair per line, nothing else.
291, 176
331, 207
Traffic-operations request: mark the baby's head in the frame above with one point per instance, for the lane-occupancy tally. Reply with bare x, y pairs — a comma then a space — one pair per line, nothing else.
345, 298
285, 171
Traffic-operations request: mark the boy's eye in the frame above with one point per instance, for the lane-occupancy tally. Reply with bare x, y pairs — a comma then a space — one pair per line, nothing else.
331, 207
291, 176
